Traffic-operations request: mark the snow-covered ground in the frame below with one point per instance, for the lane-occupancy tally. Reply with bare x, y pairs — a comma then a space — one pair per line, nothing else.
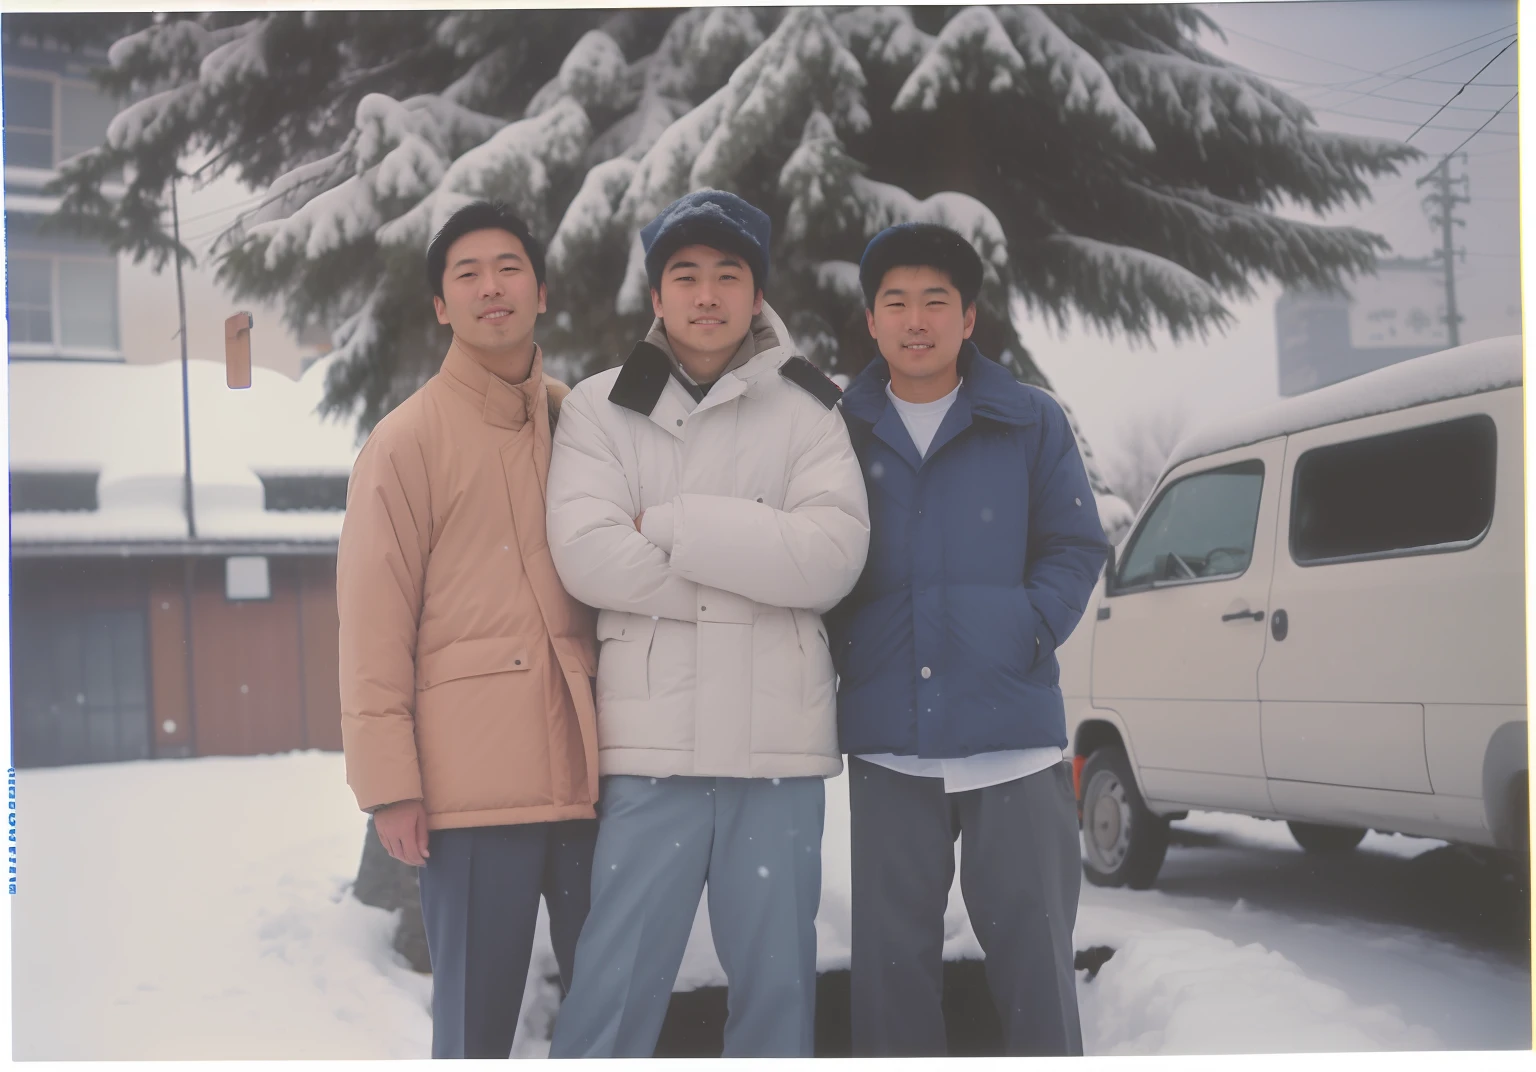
197, 909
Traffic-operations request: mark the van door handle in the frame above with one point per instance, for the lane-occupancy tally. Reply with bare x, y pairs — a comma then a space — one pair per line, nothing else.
1255, 615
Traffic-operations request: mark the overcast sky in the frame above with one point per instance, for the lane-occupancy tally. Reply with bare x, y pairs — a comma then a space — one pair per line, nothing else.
1345, 60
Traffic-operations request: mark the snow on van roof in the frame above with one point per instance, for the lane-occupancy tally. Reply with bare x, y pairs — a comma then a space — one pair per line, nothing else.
124, 422
1466, 370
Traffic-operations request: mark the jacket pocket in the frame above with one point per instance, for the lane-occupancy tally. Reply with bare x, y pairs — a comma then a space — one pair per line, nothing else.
818, 681
624, 656
473, 658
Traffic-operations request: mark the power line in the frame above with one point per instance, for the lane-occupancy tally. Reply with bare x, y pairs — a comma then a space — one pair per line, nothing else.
1409, 122
1367, 92
1449, 107
224, 208
1479, 130
1421, 70
1362, 70
1387, 71
1459, 92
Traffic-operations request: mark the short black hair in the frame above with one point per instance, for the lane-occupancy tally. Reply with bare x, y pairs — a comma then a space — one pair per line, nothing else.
480, 216
926, 245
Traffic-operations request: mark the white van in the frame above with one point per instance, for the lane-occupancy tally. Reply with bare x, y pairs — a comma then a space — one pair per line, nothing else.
1318, 616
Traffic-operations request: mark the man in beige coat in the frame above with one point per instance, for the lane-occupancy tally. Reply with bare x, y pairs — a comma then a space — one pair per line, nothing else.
467, 710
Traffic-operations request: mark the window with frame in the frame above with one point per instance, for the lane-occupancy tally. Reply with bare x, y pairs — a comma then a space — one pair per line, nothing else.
1201, 527
62, 303
48, 120
29, 121
316, 491
84, 115
1415, 491
48, 492
29, 299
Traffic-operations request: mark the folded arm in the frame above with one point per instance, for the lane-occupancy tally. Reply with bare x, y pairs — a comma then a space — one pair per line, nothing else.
601, 558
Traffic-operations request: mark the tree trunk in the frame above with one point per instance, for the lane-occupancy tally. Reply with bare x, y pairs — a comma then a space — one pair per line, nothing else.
384, 882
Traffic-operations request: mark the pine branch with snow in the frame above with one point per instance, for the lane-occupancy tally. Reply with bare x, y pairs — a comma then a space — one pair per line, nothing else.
1103, 161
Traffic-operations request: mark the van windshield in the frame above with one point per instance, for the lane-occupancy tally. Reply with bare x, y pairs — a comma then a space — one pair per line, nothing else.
1201, 526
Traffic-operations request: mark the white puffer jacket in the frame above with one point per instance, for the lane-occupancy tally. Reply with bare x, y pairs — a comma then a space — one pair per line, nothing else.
714, 660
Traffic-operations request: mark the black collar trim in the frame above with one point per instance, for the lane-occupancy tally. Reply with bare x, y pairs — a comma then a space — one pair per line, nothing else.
642, 379
803, 374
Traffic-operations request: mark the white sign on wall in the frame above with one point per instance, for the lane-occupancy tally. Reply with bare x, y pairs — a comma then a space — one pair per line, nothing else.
1398, 307
247, 577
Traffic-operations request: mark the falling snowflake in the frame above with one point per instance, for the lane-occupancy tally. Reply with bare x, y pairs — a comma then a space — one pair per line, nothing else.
762, 872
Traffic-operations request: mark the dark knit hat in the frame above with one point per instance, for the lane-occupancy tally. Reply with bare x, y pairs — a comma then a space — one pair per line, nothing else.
920, 244
711, 218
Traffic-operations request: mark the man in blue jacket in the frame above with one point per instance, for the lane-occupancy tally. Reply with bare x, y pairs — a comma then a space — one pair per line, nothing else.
985, 544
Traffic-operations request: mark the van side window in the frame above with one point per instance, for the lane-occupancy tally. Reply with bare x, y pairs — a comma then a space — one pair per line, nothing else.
1415, 491
1201, 526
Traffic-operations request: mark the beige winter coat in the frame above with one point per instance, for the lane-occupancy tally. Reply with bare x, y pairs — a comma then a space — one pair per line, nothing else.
714, 658
465, 667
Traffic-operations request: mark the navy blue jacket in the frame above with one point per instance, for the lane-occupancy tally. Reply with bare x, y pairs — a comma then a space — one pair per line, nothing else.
982, 557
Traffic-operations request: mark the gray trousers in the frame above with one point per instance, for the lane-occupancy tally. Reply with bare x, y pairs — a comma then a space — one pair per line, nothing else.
480, 894
756, 843
1020, 871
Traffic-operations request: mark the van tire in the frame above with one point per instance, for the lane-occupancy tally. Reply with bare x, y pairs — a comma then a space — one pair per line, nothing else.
1322, 840
1124, 842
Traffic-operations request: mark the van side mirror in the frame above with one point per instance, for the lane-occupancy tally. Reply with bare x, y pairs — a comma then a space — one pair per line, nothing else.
237, 350
1109, 572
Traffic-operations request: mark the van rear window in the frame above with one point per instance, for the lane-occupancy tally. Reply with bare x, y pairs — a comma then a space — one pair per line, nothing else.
1415, 491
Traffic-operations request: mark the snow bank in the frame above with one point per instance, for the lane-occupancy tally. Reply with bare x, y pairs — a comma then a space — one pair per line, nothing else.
1189, 991
203, 913
196, 909
1481, 366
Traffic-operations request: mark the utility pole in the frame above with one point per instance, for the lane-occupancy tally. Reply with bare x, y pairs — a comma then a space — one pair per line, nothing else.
186, 394
1442, 202
188, 565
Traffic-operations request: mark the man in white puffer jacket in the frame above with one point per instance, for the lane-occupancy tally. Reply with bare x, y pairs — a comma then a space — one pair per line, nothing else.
705, 497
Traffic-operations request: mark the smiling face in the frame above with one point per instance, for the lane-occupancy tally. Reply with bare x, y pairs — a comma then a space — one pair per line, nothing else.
707, 301
490, 296
919, 323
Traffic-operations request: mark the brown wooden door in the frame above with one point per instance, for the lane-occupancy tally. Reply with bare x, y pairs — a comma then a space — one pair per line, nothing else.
319, 626
247, 671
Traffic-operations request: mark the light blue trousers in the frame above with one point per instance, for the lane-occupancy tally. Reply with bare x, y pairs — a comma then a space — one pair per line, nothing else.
756, 843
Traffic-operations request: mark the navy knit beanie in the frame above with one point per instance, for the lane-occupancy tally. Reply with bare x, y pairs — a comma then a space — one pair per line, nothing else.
920, 244
710, 218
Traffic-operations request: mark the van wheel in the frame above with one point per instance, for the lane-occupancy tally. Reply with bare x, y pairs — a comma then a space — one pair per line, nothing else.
1326, 840
1123, 841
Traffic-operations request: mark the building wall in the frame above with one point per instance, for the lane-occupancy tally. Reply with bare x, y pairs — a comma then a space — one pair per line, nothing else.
1314, 348
100, 668
72, 298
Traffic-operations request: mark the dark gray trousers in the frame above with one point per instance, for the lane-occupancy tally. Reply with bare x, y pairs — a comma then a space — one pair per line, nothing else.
480, 894
1020, 871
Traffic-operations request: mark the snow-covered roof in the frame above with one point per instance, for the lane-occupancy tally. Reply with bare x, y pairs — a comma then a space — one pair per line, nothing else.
124, 422
1466, 370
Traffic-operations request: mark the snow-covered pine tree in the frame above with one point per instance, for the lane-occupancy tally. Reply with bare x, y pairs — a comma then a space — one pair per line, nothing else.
1098, 156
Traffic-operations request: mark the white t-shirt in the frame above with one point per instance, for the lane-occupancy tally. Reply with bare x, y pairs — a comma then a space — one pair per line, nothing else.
989, 768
